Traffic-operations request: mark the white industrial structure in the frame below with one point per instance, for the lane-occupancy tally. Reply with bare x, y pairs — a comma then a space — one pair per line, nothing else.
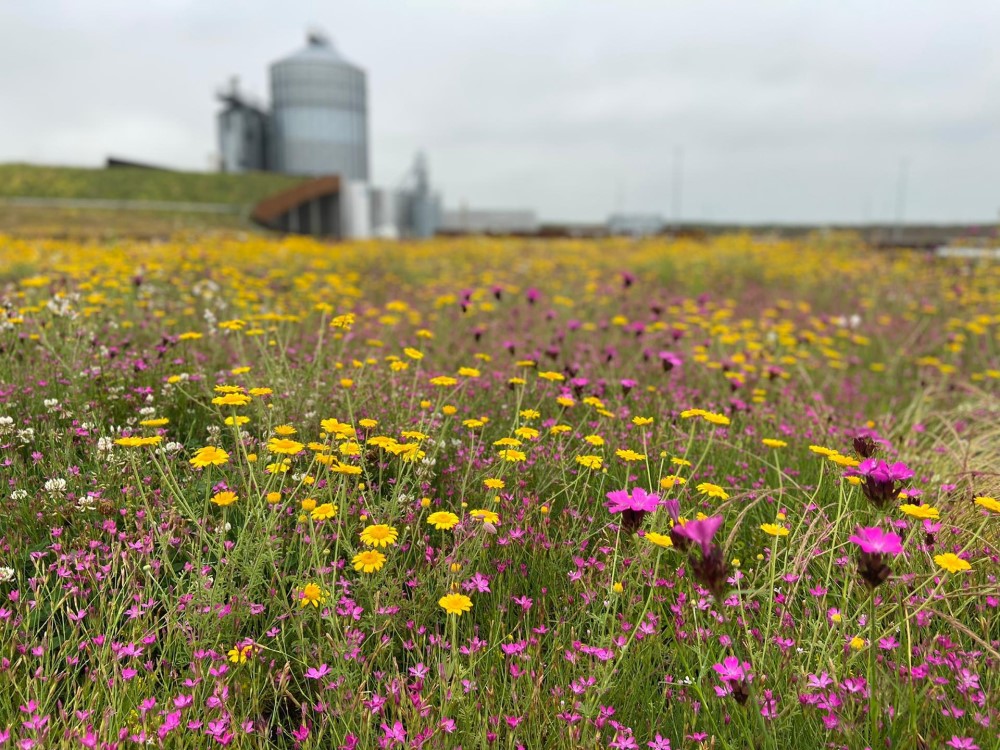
488, 221
318, 127
636, 225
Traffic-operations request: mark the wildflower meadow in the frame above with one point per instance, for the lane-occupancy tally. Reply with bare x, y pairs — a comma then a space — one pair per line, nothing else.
475, 493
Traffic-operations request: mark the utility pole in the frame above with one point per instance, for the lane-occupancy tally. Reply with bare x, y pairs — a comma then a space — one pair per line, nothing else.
901, 180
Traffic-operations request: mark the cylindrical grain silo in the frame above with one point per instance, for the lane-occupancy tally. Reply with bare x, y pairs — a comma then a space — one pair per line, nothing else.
320, 113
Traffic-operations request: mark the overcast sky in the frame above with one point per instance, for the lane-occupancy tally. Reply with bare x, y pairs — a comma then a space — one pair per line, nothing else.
795, 111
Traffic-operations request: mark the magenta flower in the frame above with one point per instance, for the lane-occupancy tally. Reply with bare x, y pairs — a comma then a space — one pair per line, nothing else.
731, 670
624, 741
318, 673
639, 499
710, 570
735, 679
396, 734
882, 482
700, 532
875, 546
669, 360
872, 540
633, 507
883, 472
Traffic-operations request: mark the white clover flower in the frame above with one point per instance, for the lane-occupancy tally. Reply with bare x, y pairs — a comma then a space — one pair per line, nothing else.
18, 494
6, 574
87, 502
105, 444
26, 436
55, 486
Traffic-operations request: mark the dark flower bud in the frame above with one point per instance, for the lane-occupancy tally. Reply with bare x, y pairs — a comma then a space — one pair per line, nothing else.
711, 571
741, 691
632, 520
864, 447
872, 568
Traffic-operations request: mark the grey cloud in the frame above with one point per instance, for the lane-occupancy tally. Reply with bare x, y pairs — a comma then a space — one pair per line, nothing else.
786, 111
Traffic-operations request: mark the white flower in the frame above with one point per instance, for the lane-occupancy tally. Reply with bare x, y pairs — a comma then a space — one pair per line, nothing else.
87, 502
55, 486
6, 574
27, 435
18, 494
61, 307
105, 444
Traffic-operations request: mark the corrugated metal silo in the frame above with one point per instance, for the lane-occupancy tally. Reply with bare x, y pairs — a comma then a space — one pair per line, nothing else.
320, 113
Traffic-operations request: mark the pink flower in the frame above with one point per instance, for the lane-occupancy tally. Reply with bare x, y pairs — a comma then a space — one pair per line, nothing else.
669, 360
873, 541
883, 472
632, 506
639, 500
701, 532
318, 673
730, 669
882, 482
624, 742
393, 735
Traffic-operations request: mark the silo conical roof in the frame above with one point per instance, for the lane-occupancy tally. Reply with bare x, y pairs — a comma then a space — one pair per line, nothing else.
319, 49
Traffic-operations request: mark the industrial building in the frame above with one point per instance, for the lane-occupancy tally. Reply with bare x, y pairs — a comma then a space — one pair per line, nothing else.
317, 127
636, 225
488, 221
